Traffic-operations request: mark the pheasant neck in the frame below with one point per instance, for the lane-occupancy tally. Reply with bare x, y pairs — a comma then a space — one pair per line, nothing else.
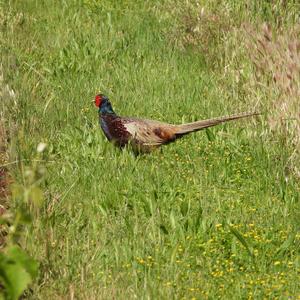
106, 108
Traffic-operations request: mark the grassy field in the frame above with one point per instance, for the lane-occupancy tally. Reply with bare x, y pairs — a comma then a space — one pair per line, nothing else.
214, 215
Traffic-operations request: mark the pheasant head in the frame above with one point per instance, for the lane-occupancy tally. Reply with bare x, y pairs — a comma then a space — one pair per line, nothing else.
104, 105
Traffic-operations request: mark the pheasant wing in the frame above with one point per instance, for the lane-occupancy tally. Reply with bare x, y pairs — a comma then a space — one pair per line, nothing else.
150, 133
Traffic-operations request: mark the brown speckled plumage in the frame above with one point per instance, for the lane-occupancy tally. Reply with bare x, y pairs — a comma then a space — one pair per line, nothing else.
116, 130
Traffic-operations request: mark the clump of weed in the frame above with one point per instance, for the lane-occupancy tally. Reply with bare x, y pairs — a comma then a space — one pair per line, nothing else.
198, 28
5, 93
206, 26
276, 59
4, 180
18, 203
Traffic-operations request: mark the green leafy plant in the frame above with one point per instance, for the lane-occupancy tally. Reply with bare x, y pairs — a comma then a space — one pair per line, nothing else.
17, 268
17, 271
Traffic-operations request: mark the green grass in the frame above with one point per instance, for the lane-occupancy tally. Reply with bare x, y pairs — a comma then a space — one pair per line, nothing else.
214, 215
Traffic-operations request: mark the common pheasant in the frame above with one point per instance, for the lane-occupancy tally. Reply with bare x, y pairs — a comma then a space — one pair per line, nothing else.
144, 135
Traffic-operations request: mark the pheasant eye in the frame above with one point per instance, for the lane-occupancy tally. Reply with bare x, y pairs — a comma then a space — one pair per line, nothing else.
98, 100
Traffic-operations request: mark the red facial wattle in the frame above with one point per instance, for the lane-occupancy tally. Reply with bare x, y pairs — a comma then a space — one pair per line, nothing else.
98, 100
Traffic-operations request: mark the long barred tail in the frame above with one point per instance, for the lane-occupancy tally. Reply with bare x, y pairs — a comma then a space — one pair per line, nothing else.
199, 125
